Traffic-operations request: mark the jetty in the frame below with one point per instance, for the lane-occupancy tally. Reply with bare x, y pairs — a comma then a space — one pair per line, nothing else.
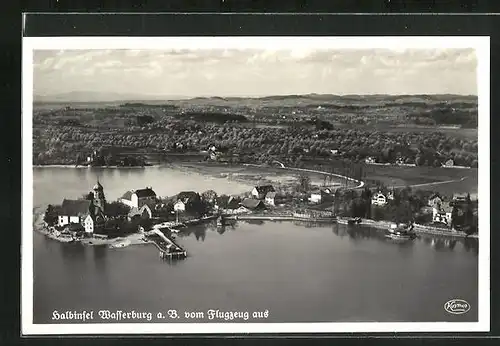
169, 249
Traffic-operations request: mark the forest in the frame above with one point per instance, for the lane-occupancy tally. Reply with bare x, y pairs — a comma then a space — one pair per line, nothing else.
247, 132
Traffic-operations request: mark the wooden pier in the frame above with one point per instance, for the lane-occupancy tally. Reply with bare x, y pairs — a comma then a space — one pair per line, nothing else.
169, 249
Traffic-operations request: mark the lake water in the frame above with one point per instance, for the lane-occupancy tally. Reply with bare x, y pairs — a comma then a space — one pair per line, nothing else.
298, 273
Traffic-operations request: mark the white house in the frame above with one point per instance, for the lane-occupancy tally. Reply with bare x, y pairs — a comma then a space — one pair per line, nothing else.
138, 198
442, 215
73, 211
261, 191
318, 196
180, 206
88, 223
270, 198
80, 212
379, 199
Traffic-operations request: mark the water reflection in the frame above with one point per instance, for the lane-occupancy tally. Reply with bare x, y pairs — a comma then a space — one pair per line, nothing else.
438, 243
199, 232
100, 253
254, 222
72, 251
471, 245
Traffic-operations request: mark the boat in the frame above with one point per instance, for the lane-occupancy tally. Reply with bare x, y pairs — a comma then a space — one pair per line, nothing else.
349, 221
354, 221
401, 233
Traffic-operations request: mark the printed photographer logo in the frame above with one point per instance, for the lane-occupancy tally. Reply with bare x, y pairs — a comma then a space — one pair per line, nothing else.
456, 306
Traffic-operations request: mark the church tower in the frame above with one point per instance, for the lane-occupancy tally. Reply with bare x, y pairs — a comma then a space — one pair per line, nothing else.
99, 200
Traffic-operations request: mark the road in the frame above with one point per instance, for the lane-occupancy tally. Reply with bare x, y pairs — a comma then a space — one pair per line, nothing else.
434, 183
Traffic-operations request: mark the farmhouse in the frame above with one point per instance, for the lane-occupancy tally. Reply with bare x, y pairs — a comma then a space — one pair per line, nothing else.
138, 198
379, 199
261, 191
186, 200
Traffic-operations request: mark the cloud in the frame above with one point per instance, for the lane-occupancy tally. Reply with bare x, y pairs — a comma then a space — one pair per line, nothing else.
233, 71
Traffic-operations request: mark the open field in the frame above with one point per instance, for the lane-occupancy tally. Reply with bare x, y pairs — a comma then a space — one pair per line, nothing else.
402, 176
252, 174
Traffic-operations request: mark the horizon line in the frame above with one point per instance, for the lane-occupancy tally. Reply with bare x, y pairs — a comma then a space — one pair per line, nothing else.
184, 97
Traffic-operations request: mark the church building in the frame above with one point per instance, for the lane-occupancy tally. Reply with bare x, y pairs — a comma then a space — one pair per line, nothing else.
88, 212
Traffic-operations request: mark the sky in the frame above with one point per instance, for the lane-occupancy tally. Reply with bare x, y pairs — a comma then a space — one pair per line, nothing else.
251, 72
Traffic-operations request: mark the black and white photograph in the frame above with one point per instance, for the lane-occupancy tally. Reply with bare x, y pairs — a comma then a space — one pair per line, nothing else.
255, 185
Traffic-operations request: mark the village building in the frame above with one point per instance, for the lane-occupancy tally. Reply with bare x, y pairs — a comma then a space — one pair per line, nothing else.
252, 204
449, 163
435, 201
143, 212
379, 199
459, 197
318, 196
138, 198
186, 200
270, 198
227, 202
230, 205
442, 214
87, 212
260, 192
369, 160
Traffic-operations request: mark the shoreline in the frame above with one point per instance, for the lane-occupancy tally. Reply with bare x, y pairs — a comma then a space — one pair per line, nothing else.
118, 242
379, 225
139, 239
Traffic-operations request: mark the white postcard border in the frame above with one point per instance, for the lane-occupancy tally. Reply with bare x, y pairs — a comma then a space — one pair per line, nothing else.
480, 43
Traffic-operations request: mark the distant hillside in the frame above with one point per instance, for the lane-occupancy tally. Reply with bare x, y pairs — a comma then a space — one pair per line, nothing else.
91, 97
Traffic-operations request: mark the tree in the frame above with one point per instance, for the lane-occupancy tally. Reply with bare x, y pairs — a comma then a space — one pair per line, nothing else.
50, 216
304, 183
209, 196
116, 209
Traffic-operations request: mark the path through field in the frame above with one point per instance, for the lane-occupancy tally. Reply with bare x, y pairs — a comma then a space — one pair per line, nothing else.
434, 183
